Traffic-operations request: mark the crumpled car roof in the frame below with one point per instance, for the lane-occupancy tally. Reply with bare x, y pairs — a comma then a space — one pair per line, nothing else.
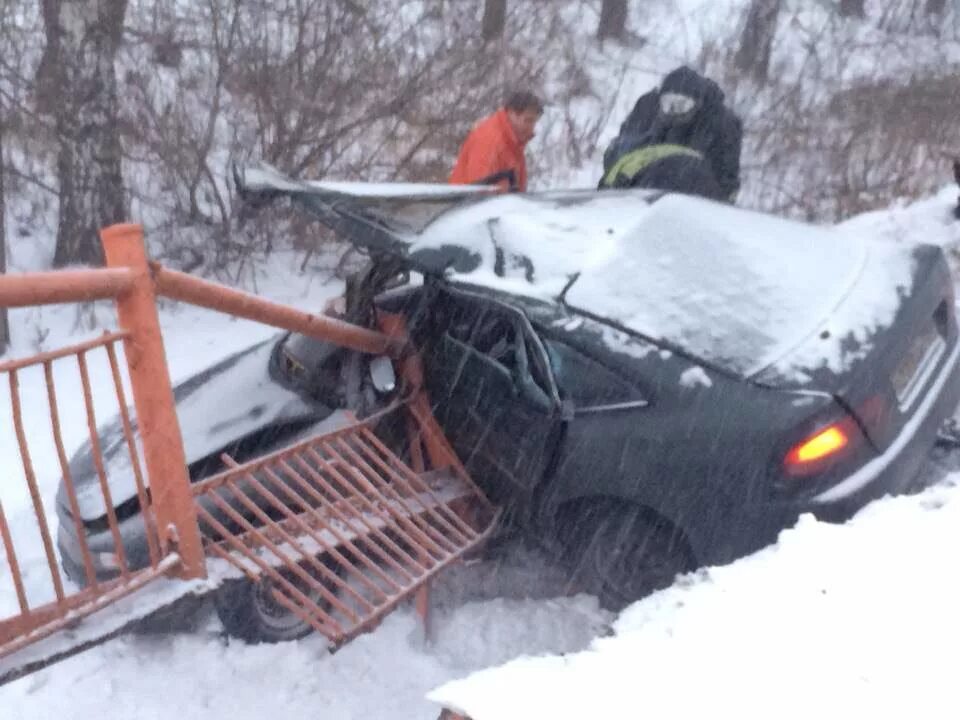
737, 288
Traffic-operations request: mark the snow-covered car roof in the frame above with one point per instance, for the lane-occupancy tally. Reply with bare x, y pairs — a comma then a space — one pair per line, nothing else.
739, 289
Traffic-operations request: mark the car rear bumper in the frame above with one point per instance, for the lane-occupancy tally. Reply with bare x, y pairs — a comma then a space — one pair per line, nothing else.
749, 527
897, 468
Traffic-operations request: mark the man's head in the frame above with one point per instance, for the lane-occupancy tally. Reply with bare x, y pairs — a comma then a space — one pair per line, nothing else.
523, 111
682, 93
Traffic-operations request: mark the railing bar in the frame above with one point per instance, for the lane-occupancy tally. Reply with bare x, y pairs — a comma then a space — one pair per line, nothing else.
332, 549
415, 440
67, 478
321, 627
332, 507
389, 606
407, 477
97, 602
153, 548
394, 520
288, 562
215, 548
214, 481
461, 524
393, 480
14, 565
419, 408
360, 484
182, 286
34, 489
98, 463
247, 553
288, 538
327, 507
388, 518
386, 487
411, 527
63, 286
106, 338
389, 515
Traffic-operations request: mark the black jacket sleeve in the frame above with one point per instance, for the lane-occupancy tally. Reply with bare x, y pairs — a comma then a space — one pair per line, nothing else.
726, 154
637, 123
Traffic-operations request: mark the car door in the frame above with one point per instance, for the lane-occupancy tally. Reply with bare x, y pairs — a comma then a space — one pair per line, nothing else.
610, 437
492, 392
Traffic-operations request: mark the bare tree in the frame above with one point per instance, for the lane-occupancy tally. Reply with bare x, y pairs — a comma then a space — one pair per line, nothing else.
853, 8
756, 39
494, 19
83, 37
613, 20
4, 327
936, 7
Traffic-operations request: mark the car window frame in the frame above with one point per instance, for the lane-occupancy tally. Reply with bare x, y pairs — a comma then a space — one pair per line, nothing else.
636, 399
525, 334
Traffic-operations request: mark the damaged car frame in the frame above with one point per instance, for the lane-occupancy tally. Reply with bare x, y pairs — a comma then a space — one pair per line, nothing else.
646, 382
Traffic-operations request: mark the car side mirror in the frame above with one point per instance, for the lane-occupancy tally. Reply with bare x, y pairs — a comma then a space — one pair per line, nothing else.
382, 375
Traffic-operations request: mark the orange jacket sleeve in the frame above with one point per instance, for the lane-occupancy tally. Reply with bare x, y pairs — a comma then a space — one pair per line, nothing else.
479, 158
489, 149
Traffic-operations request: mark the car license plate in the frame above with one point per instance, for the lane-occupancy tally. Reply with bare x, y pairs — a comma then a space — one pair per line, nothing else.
917, 364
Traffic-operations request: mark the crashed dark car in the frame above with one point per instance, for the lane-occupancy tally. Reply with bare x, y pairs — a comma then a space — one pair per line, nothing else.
646, 382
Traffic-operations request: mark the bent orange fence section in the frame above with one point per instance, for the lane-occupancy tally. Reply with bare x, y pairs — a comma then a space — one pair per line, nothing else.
37, 620
338, 528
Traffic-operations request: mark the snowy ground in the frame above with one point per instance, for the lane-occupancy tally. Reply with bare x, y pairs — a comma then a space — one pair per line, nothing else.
834, 620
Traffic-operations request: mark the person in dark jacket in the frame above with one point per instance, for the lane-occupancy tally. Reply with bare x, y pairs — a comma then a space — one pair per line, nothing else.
680, 137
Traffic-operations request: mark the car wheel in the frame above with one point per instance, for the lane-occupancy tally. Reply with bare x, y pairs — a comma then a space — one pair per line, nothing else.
249, 611
622, 554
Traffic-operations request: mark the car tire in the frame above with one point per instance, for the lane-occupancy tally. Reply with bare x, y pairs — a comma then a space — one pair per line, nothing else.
621, 553
249, 612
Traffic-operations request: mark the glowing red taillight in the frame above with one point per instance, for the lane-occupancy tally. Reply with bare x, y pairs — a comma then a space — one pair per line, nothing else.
811, 453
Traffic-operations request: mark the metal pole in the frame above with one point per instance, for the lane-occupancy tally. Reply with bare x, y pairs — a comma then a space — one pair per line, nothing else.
184, 287
4, 326
153, 398
63, 286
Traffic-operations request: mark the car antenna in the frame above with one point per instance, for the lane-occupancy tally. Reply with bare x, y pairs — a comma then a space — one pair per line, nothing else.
571, 279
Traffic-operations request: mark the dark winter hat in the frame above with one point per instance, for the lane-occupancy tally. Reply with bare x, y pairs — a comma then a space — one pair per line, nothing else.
685, 81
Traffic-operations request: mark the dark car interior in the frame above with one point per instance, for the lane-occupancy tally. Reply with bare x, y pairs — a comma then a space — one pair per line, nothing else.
489, 381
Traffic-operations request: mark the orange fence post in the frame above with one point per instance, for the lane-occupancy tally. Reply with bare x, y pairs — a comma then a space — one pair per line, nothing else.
153, 398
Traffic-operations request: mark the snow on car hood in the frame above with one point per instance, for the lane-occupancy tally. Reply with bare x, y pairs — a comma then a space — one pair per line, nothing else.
738, 289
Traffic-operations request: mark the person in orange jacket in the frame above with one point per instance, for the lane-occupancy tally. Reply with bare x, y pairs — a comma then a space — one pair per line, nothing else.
493, 151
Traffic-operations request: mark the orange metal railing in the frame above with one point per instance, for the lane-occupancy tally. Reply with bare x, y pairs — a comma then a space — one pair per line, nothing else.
341, 526
38, 620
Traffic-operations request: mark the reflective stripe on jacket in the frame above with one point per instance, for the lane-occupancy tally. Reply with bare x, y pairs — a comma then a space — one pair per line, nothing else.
631, 164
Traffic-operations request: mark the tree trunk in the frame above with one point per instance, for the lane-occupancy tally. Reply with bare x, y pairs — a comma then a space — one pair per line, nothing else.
613, 20
494, 18
82, 41
852, 8
4, 327
756, 40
